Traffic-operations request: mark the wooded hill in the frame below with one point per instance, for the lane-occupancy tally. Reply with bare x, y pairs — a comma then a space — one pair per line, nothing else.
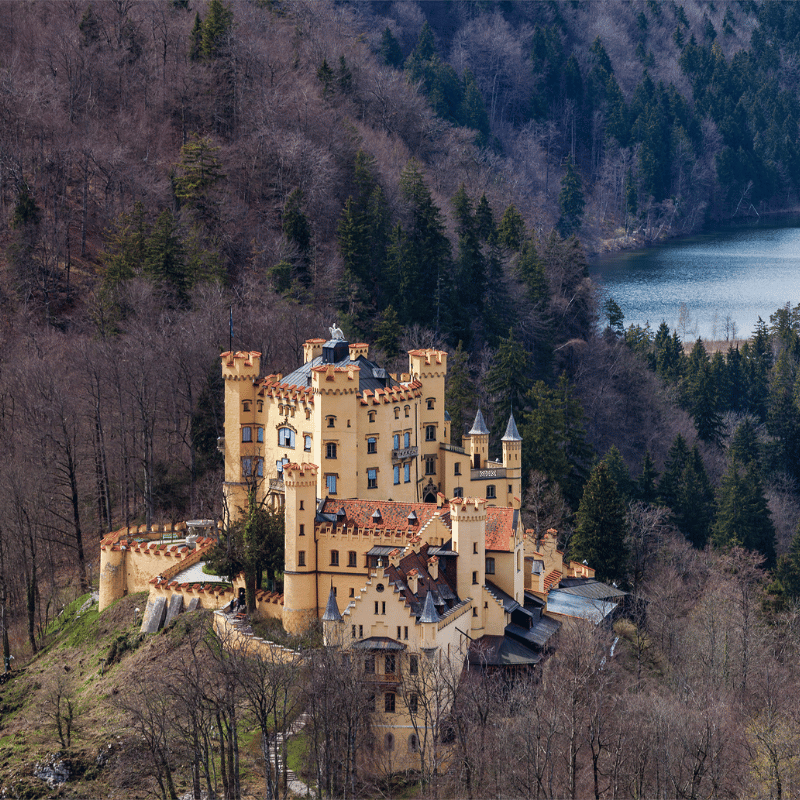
165, 167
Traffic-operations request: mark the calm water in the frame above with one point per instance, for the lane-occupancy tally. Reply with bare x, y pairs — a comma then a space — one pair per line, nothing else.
704, 285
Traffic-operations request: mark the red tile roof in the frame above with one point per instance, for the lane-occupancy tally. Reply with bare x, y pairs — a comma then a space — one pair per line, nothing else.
500, 529
393, 515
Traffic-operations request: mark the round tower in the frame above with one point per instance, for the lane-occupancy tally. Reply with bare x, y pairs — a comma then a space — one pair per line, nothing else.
512, 461
468, 518
300, 601
112, 574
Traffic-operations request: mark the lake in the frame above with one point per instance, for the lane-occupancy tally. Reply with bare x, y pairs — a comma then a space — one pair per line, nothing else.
714, 285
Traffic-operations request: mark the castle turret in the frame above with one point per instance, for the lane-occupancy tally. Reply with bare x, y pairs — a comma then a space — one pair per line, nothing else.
332, 626
312, 348
112, 574
429, 620
512, 461
300, 600
478, 442
468, 519
239, 445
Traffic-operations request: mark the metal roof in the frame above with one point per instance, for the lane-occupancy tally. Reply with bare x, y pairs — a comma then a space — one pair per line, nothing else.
501, 651
381, 550
479, 426
511, 434
429, 612
332, 609
370, 375
591, 589
572, 605
537, 635
509, 603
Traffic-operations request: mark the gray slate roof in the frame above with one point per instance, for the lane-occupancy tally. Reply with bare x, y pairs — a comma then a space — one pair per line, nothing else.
332, 609
511, 434
479, 426
370, 375
429, 612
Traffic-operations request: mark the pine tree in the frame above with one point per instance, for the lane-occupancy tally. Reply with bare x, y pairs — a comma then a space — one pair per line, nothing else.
646, 490
124, 253
216, 30
470, 266
460, 396
571, 202
297, 230
325, 77
196, 39
508, 380
484, 220
473, 109
743, 518
511, 229
669, 485
531, 272
615, 317
164, 256
599, 537
700, 395
390, 50
619, 472
786, 576
197, 174
693, 509
386, 333
745, 447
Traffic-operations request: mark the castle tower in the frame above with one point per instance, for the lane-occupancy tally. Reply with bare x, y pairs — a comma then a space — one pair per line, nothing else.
300, 595
478, 442
112, 574
240, 447
512, 461
429, 367
468, 519
332, 622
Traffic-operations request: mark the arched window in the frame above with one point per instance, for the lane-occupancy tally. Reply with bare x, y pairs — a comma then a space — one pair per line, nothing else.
371, 415
397, 413
413, 743
307, 443
388, 742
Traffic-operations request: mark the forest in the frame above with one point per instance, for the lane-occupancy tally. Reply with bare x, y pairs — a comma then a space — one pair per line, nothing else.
177, 177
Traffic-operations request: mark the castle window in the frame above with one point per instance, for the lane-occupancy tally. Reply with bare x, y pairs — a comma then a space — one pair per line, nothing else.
430, 466
371, 703
372, 445
260, 405
405, 631
474, 547
475, 578
330, 484
260, 467
430, 433
352, 592
405, 408
390, 665
491, 492
397, 413
396, 441
301, 558
279, 464
372, 479
302, 529
458, 492
247, 434
396, 469
285, 437
430, 403
245, 405
259, 434
413, 703
371, 415
301, 505
413, 741
474, 612
490, 566
407, 439
352, 559
334, 558
330, 450
407, 472
331, 421
510, 489
413, 665
247, 467
388, 707
307, 443
354, 631
388, 741
369, 664
457, 468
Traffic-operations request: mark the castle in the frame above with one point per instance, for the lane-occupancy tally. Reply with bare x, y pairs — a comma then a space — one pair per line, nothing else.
410, 550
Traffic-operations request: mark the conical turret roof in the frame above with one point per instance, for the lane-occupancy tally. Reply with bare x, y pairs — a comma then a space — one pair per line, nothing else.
511, 434
429, 612
332, 609
479, 426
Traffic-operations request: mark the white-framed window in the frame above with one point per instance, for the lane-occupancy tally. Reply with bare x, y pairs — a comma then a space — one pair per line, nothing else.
330, 484
286, 437
372, 479
247, 433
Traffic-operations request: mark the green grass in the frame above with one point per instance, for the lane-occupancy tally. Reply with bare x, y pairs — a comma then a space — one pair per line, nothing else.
297, 752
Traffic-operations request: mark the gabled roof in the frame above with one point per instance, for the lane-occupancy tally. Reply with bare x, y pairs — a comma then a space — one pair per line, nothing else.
479, 426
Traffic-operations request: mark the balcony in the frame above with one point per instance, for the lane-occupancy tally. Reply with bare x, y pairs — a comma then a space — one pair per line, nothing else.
487, 474
404, 453
276, 485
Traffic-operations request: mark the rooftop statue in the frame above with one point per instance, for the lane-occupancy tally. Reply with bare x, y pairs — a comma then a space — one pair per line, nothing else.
336, 332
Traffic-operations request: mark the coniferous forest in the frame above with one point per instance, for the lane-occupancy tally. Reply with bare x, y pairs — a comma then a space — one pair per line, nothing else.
180, 176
